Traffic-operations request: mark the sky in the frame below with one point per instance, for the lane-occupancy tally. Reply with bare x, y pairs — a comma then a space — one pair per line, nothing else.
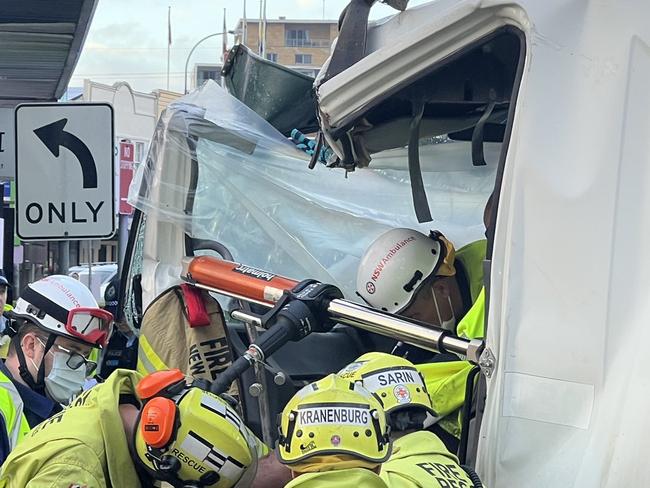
127, 40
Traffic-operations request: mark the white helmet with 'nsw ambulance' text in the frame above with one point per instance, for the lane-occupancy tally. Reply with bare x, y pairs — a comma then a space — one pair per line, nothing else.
63, 306
398, 263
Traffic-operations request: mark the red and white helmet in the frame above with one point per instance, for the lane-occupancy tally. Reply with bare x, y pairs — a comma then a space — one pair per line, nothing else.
64, 306
398, 263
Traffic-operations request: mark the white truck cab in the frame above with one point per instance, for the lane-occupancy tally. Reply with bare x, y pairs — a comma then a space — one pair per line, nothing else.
543, 103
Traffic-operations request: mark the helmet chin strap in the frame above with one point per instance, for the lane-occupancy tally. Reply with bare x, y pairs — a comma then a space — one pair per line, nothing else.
39, 385
445, 324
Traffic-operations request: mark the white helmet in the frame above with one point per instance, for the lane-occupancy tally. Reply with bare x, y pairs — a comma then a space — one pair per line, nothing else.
64, 306
398, 263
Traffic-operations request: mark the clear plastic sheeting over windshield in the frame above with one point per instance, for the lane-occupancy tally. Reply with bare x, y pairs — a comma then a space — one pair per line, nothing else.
224, 174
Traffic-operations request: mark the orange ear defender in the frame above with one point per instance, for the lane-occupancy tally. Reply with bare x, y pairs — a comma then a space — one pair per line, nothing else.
156, 383
158, 422
158, 418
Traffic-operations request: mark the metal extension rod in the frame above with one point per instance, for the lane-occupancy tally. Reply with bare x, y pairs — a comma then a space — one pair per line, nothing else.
405, 330
409, 331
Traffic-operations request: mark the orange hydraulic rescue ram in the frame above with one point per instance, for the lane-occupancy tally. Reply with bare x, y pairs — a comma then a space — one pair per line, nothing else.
236, 280
265, 288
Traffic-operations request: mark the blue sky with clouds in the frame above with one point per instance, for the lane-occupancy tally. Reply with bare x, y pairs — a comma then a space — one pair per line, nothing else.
127, 40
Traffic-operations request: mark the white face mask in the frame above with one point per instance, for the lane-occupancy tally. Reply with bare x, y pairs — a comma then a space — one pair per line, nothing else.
63, 382
450, 324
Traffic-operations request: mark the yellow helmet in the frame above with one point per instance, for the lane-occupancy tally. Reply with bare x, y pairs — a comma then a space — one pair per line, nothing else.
334, 417
189, 437
397, 383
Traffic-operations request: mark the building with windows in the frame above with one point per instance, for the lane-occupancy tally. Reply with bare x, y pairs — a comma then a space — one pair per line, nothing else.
204, 72
303, 45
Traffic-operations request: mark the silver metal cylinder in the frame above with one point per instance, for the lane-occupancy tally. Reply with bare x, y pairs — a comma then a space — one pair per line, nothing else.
421, 335
401, 329
246, 318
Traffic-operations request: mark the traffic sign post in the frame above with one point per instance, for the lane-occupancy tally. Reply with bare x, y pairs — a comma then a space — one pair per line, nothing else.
7, 138
64, 171
126, 153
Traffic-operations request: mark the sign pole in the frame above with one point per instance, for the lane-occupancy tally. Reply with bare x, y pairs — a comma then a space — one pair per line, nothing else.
64, 257
90, 265
127, 168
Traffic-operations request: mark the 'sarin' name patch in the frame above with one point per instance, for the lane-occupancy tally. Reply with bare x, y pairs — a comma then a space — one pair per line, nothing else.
391, 377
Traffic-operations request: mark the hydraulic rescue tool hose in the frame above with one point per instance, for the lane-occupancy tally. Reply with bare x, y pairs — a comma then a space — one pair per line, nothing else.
265, 288
476, 481
294, 317
274, 338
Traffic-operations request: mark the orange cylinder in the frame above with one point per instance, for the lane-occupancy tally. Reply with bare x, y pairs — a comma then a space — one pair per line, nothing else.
238, 279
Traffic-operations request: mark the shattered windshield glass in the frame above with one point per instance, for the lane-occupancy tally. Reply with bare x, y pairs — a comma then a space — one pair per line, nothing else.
256, 196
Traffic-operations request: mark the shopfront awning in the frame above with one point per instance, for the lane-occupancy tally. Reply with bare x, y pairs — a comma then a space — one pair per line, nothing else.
41, 43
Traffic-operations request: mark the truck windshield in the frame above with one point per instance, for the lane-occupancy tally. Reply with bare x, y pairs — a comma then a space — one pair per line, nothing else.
262, 202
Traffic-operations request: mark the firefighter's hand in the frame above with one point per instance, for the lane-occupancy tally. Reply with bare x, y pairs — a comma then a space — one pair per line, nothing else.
271, 473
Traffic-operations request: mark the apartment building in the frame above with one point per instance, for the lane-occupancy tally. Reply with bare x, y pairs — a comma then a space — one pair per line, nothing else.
303, 45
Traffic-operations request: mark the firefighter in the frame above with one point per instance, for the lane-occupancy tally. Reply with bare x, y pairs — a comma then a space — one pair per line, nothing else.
334, 433
55, 327
419, 457
131, 432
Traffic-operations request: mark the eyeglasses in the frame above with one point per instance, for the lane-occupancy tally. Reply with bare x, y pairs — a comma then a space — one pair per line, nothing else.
75, 360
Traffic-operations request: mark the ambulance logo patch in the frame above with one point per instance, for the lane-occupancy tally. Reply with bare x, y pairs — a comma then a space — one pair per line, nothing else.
402, 394
370, 287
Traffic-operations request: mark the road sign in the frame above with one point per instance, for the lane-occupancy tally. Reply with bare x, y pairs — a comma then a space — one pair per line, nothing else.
64, 171
7, 154
126, 175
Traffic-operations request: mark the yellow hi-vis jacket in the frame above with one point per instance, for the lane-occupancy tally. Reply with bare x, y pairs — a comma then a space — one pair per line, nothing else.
446, 380
472, 326
421, 460
471, 257
11, 409
5, 339
445, 384
352, 477
84, 445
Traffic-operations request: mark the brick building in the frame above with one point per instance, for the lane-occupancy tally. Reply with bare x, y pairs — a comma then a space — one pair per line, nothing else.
303, 45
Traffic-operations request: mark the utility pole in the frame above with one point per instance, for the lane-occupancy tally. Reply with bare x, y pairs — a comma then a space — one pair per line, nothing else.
260, 42
224, 39
169, 40
264, 32
244, 28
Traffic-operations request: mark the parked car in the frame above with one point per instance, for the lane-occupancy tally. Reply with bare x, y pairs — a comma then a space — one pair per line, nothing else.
97, 280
